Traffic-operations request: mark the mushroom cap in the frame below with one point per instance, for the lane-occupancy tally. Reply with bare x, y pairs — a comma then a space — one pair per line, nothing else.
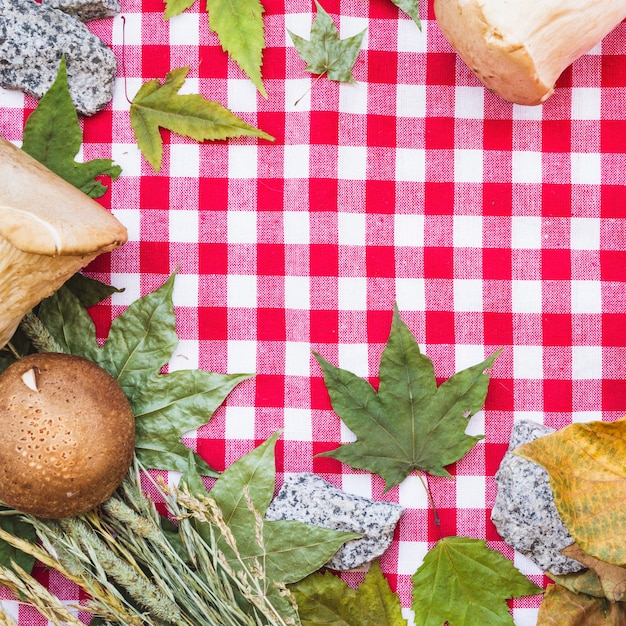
67, 435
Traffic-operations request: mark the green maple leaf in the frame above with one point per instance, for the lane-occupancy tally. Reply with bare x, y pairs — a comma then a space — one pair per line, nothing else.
140, 341
326, 599
325, 53
52, 136
159, 105
465, 583
410, 424
287, 550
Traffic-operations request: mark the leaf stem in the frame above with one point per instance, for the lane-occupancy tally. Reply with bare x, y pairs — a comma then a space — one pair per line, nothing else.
426, 485
313, 83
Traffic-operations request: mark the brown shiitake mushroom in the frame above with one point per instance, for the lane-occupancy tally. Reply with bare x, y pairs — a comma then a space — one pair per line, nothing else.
67, 435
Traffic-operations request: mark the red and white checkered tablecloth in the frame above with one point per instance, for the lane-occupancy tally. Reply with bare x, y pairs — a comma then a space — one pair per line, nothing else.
490, 224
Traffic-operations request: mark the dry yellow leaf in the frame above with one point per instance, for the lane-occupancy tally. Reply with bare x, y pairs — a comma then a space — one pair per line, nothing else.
587, 467
561, 607
612, 577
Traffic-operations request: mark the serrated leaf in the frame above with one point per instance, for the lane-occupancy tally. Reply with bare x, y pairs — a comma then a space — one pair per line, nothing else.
159, 105
588, 480
325, 53
465, 583
140, 341
238, 25
561, 607
411, 8
324, 599
176, 7
410, 423
52, 136
287, 550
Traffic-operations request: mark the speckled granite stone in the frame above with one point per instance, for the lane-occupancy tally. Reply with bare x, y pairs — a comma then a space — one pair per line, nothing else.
308, 498
33, 39
86, 10
524, 512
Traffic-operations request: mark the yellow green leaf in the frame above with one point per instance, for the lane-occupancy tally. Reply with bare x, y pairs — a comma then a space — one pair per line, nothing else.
159, 105
324, 599
588, 480
238, 25
462, 582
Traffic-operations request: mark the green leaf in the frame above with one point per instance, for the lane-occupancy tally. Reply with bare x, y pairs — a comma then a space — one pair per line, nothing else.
53, 136
465, 583
140, 341
325, 53
14, 525
238, 25
176, 7
324, 599
89, 290
159, 105
410, 424
411, 8
287, 550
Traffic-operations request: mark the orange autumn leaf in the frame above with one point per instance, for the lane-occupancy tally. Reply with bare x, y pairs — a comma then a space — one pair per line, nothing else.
587, 468
561, 607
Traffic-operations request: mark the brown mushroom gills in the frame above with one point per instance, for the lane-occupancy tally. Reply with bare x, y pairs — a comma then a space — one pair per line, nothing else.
67, 435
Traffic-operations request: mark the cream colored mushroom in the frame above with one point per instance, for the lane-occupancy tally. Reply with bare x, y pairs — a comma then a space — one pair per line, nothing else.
519, 49
48, 231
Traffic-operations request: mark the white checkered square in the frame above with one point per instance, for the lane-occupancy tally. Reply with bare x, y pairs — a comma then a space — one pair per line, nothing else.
410, 100
468, 166
242, 356
183, 226
352, 294
411, 294
526, 167
410, 165
467, 231
297, 424
242, 96
184, 29
470, 492
526, 232
186, 290
351, 229
352, 163
586, 296
242, 227
297, 292
586, 168
468, 295
242, 161
242, 291
239, 423
526, 296
296, 161
353, 357
528, 362
584, 233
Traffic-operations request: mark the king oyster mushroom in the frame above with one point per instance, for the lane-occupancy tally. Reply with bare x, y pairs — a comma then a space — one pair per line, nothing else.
48, 231
67, 435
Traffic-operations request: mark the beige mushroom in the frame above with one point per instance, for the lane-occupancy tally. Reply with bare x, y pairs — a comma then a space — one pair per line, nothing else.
519, 49
48, 231
67, 435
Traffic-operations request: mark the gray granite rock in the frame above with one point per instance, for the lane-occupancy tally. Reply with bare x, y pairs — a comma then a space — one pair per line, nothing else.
308, 498
524, 512
33, 38
86, 10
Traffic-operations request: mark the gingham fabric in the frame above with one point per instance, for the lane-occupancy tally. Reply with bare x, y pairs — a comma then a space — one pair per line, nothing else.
491, 225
